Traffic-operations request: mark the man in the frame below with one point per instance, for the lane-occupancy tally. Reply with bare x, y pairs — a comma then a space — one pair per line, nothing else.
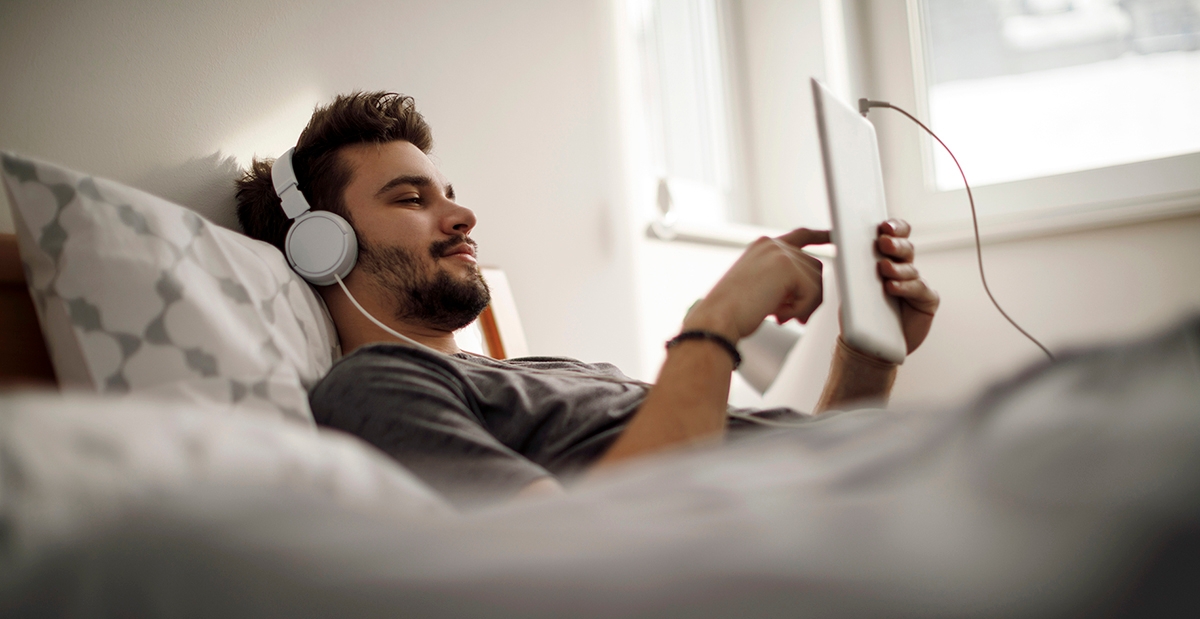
479, 429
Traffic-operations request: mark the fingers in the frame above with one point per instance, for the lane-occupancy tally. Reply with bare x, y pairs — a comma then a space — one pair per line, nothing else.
803, 236
799, 306
772, 277
799, 258
898, 270
916, 293
895, 227
898, 248
893, 240
805, 293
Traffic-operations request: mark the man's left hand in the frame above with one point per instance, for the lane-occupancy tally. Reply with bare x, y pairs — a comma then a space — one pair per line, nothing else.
918, 302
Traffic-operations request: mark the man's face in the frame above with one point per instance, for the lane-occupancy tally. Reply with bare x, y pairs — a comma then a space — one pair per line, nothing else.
413, 237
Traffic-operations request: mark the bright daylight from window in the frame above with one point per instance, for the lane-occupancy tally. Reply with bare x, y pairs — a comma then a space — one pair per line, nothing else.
1029, 88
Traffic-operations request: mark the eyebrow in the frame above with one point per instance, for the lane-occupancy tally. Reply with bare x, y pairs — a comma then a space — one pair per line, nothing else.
414, 180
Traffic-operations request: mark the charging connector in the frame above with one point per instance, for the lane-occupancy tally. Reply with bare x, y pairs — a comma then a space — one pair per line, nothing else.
864, 106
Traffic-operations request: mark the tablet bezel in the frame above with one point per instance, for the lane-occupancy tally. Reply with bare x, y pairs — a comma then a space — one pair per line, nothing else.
854, 188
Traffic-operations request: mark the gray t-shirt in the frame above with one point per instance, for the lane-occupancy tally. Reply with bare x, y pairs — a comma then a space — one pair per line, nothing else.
478, 430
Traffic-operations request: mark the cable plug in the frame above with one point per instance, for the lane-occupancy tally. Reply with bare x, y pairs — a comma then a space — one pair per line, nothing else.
865, 104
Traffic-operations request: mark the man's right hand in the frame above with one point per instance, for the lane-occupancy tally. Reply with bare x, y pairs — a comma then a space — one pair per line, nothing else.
772, 278
687, 404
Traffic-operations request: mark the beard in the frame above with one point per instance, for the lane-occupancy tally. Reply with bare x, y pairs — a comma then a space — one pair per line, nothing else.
439, 300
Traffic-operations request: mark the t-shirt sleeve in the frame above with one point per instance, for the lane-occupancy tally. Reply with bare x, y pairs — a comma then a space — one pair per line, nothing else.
421, 412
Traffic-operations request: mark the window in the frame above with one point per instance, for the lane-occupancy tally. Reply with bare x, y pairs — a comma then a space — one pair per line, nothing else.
1049, 72
1063, 113
684, 52
724, 94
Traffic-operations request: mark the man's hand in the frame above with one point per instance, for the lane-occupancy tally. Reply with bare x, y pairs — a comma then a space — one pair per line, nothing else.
772, 278
687, 404
856, 377
918, 302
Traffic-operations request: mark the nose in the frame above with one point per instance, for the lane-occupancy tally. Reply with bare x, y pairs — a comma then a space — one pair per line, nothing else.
458, 219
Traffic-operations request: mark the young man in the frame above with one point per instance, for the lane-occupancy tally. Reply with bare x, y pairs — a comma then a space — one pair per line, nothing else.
478, 429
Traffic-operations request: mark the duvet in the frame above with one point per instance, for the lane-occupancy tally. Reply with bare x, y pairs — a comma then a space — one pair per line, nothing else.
1071, 489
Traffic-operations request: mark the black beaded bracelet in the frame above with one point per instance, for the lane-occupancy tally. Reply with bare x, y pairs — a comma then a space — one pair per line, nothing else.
721, 340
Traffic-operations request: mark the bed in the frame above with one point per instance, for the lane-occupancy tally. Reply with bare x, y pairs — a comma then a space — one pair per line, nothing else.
175, 472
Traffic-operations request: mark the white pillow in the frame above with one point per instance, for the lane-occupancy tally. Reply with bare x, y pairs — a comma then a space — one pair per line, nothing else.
136, 294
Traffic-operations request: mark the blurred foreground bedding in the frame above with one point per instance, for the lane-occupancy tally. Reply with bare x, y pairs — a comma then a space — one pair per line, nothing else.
1072, 489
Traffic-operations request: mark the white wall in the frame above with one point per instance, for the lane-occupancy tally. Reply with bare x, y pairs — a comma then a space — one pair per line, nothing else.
532, 128
520, 95
782, 47
1068, 290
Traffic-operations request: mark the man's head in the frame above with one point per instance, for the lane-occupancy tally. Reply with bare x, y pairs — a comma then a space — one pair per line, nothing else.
365, 157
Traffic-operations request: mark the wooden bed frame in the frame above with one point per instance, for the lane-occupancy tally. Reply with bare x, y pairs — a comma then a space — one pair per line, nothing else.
25, 361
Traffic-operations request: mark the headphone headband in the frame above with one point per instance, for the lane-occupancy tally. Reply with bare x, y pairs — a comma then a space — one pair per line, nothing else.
283, 176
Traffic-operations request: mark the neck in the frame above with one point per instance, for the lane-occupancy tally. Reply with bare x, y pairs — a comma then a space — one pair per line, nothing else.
355, 330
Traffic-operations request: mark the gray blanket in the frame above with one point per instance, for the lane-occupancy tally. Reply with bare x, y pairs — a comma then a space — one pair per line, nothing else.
1072, 489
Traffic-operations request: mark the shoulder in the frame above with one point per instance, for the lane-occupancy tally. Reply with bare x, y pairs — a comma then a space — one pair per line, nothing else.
383, 356
389, 366
372, 380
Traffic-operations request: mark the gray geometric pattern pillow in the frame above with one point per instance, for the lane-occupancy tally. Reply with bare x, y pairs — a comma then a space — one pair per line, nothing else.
136, 294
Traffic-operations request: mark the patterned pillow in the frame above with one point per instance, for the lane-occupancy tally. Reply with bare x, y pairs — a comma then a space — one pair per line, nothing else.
136, 294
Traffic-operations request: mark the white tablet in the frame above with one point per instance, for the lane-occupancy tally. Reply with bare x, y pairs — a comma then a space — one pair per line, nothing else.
854, 185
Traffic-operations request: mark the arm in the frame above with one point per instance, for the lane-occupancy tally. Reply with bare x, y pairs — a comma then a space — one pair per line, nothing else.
687, 404
856, 376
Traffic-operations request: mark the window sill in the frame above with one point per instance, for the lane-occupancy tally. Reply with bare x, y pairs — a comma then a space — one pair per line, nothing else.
1028, 225
731, 235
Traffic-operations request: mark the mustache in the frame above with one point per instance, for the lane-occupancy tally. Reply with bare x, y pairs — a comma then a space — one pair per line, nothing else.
437, 249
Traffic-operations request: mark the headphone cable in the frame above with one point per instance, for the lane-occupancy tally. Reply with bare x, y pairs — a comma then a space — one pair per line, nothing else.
411, 343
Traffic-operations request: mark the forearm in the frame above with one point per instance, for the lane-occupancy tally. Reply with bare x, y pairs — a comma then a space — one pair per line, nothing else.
685, 407
688, 403
854, 376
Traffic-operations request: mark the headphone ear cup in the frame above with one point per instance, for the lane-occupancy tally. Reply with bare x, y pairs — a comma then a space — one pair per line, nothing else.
321, 245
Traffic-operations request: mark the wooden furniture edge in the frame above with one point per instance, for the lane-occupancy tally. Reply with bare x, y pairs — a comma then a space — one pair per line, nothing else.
25, 360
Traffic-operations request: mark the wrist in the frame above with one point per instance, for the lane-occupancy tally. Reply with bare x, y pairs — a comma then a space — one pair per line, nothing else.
849, 354
703, 318
708, 336
856, 378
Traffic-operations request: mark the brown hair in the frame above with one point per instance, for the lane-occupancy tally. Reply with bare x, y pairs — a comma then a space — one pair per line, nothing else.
356, 118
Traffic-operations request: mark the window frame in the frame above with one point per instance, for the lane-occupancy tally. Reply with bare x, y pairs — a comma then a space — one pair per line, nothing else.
1113, 195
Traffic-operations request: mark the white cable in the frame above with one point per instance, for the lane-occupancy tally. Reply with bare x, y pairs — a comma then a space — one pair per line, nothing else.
415, 344
401, 336
863, 106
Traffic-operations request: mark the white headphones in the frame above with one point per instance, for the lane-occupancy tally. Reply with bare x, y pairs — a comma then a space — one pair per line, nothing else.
320, 246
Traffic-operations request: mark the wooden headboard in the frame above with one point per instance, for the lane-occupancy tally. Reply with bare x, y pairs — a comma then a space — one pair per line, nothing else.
24, 361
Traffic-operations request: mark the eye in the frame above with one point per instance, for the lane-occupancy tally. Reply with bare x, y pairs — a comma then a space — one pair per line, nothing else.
409, 200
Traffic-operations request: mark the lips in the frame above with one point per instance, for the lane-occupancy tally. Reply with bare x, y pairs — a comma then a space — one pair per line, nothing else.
462, 249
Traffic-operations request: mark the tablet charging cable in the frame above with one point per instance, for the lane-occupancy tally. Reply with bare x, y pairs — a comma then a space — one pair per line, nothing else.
864, 105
